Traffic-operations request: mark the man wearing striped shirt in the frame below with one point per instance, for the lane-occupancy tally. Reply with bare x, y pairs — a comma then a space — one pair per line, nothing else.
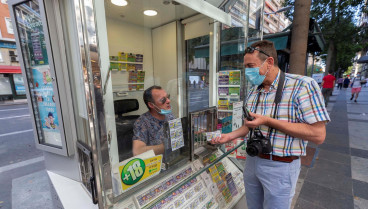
301, 115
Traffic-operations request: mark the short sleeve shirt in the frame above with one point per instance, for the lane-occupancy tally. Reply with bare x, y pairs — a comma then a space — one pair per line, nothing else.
328, 81
301, 102
149, 129
356, 83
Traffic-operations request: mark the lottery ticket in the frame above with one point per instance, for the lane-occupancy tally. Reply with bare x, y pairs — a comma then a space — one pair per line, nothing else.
176, 134
189, 194
179, 202
231, 184
213, 135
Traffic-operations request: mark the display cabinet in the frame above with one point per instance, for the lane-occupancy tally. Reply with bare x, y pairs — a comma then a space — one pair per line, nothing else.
45, 77
210, 182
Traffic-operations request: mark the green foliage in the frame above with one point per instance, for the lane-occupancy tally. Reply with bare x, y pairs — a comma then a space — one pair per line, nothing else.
337, 21
348, 72
316, 69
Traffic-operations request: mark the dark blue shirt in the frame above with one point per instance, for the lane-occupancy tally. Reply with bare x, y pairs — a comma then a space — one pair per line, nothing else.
149, 129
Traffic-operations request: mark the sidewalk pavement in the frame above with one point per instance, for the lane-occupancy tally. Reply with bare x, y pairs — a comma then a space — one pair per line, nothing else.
14, 102
335, 174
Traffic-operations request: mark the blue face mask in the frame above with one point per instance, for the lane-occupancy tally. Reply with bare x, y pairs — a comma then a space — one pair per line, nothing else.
163, 111
252, 75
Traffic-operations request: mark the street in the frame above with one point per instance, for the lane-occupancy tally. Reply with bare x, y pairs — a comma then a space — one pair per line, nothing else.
198, 98
22, 171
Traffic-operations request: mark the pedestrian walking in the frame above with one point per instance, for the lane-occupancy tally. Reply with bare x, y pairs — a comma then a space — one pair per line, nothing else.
328, 84
346, 82
194, 84
339, 83
286, 113
356, 87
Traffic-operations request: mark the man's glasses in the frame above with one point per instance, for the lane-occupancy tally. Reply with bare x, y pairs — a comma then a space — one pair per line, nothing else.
251, 50
163, 100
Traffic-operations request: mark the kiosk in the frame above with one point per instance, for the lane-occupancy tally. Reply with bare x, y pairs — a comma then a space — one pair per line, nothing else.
86, 64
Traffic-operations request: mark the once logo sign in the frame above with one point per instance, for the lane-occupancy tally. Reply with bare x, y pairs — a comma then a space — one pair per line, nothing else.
133, 171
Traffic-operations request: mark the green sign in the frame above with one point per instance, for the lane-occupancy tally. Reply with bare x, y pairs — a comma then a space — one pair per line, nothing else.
133, 171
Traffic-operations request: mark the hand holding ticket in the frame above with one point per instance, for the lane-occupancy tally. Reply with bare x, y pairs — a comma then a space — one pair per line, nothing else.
213, 135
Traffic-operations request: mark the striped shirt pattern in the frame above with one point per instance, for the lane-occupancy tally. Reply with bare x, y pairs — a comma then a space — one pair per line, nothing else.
301, 102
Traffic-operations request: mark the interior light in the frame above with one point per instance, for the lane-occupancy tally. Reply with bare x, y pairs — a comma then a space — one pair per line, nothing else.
120, 3
150, 12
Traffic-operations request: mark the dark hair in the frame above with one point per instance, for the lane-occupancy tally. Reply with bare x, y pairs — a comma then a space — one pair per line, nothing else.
269, 48
147, 94
50, 114
330, 71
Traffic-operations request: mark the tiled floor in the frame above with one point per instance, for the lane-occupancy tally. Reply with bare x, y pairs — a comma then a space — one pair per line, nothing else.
339, 177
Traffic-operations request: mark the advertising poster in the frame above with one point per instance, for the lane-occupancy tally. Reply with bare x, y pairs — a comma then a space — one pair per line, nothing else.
48, 117
19, 84
318, 77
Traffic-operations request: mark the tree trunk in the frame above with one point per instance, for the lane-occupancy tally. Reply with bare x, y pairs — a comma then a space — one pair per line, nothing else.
330, 56
299, 36
332, 51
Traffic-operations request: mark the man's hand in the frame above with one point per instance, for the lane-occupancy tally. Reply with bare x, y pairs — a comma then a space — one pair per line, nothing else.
258, 120
220, 140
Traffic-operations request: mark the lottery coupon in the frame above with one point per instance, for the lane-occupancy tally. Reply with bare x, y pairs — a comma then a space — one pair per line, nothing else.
213, 135
231, 184
176, 134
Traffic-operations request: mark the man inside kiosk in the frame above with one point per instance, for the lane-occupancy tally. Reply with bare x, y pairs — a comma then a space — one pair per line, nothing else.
149, 127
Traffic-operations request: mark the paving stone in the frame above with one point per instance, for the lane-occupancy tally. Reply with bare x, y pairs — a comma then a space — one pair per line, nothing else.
335, 148
358, 133
6, 181
325, 197
361, 116
331, 177
359, 168
303, 204
356, 107
360, 189
334, 156
29, 188
360, 203
303, 172
329, 167
359, 153
340, 139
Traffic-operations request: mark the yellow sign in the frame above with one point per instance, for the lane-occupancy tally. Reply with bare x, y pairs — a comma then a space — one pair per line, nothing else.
138, 170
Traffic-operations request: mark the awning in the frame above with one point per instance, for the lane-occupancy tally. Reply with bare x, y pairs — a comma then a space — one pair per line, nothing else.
279, 42
363, 59
238, 48
10, 69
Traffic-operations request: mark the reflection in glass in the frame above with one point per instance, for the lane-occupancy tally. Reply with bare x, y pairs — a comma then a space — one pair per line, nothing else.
198, 52
34, 51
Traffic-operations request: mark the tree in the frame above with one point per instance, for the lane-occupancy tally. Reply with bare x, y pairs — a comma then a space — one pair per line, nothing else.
343, 37
299, 39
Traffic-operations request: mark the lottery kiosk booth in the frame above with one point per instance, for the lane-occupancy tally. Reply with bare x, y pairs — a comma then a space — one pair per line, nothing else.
86, 64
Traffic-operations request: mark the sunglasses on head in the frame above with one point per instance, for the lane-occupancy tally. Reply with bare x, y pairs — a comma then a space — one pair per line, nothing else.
251, 49
163, 100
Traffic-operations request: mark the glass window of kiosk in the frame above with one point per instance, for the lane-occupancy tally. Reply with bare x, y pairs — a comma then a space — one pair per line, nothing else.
170, 88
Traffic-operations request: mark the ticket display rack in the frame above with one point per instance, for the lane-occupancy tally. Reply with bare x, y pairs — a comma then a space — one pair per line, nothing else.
212, 182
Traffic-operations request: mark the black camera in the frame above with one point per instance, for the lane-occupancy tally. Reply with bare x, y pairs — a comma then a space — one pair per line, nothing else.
258, 144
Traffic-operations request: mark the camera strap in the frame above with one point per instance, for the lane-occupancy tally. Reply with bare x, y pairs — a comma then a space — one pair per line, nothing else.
276, 101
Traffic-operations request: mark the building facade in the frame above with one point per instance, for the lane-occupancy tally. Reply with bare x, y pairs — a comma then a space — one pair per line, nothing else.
11, 80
